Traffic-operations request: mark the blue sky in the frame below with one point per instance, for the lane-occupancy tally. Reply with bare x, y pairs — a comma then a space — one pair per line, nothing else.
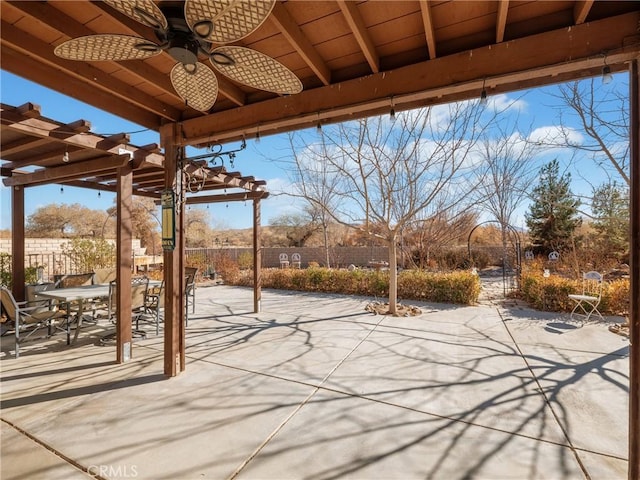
261, 160
254, 160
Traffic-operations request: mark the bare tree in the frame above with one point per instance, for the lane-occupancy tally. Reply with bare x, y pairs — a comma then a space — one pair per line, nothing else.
298, 228
390, 173
441, 230
508, 159
64, 221
316, 181
603, 118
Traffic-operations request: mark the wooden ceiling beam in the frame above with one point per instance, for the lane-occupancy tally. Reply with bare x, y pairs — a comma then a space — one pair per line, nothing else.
22, 145
231, 91
354, 19
74, 135
72, 171
29, 67
501, 22
290, 29
41, 158
510, 65
92, 185
229, 197
581, 11
69, 27
28, 45
425, 10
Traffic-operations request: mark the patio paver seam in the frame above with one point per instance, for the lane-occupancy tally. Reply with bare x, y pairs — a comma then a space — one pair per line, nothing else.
303, 403
546, 398
49, 448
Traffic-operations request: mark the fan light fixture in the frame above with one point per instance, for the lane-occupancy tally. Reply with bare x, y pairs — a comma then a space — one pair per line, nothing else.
187, 33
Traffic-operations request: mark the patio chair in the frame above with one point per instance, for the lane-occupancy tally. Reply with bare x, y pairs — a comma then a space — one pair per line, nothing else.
29, 319
73, 280
589, 299
104, 275
31, 292
153, 303
139, 286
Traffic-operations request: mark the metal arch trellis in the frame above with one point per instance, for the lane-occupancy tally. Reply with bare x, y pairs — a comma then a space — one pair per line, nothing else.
518, 254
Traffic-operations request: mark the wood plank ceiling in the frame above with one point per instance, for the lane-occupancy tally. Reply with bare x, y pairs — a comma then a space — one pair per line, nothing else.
354, 58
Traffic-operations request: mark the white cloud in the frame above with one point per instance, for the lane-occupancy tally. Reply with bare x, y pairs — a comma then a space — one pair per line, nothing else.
554, 135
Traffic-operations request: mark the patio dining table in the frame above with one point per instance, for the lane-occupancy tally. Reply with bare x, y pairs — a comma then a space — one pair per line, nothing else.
82, 295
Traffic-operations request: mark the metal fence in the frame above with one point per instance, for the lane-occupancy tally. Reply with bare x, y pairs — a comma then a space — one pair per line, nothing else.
41, 267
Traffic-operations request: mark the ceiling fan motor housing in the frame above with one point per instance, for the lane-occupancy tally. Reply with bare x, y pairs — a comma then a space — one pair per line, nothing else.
184, 48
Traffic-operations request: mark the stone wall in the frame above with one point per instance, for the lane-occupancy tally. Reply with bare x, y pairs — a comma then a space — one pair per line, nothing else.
338, 256
53, 245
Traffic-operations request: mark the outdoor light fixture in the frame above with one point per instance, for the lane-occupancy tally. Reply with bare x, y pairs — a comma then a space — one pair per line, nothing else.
392, 112
65, 156
168, 203
606, 75
606, 71
319, 125
258, 134
483, 95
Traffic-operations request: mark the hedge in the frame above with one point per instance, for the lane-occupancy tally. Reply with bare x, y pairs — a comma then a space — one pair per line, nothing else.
552, 294
456, 287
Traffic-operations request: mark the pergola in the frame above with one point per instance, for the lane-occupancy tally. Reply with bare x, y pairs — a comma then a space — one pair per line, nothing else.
354, 58
37, 151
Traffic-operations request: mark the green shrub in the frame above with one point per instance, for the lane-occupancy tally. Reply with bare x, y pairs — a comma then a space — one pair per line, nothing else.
89, 254
245, 260
456, 287
552, 294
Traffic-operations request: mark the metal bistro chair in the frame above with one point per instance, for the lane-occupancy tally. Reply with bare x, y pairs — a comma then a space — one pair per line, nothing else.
153, 303
29, 319
589, 299
139, 287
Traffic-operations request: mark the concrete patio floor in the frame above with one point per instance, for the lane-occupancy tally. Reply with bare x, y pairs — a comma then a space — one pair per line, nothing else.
314, 387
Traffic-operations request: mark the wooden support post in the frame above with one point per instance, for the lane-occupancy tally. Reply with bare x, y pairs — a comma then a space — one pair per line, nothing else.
124, 235
257, 257
173, 268
17, 242
181, 244
634, 288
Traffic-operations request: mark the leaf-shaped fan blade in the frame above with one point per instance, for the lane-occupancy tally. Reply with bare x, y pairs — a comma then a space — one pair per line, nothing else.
143, 11
256, 70
107, 47
196, 84
226, 21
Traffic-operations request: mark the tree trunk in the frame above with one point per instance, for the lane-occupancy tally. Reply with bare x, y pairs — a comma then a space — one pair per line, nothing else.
393, 277
326, 243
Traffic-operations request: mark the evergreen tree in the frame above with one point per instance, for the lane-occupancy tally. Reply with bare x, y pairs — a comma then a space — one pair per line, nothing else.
553, 214
610, 207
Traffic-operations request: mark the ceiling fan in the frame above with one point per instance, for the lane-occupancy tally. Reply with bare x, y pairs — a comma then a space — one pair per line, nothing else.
187, 33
